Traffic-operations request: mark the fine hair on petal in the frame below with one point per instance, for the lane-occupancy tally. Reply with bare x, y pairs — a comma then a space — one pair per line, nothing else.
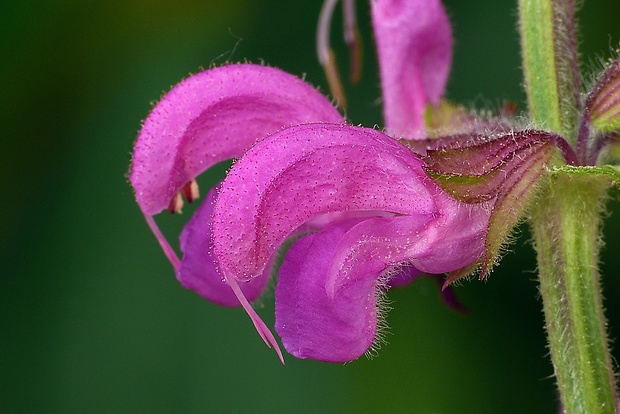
383, 306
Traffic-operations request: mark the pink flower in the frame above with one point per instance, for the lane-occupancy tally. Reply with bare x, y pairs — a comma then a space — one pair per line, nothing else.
389, 216
358, 201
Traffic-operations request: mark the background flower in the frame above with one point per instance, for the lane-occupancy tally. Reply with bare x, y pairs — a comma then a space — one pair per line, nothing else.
89, 322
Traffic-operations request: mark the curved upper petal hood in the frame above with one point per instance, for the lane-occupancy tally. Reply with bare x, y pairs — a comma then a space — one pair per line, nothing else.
308, 170
414, 44
213, 116
305, 171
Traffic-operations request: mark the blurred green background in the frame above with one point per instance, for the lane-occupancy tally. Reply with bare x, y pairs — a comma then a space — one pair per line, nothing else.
91, 316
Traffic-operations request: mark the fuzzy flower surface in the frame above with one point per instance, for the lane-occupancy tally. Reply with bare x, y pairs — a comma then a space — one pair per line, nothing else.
355, 204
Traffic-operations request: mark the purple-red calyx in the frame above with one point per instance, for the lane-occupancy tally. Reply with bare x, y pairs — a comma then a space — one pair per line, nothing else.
366, 209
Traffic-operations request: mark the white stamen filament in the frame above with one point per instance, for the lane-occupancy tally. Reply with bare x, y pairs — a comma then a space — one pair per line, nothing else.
323, 31
352, 40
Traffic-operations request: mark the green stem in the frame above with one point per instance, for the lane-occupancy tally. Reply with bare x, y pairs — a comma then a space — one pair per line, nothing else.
566, 225
565, 219
538, 51
550, 64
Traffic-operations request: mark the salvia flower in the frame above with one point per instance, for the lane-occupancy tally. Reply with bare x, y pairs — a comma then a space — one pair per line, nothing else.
359, 208
389, 215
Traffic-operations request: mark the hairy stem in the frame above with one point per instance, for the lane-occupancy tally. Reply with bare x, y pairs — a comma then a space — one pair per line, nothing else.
550, 63
566, 225
565, 219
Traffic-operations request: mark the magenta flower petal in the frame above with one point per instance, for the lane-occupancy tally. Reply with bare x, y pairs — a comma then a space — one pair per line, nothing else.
448, 240
312, 324
305, 171
436, 247
213, 116
198, 270
414, 44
